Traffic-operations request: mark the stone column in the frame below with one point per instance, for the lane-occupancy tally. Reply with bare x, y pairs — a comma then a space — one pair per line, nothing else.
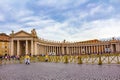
46, 49
26, 47
57, 50
12, 47
102, 49
97, 49
35, 48
50, 49
74, 50
94, 49
62, 50
71, 50
67, 51
117, 47
31, 47
88, 49
18, 47
85, 49
79, 50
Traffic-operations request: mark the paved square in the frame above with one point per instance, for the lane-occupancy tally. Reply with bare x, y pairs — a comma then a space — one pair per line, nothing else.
59, 71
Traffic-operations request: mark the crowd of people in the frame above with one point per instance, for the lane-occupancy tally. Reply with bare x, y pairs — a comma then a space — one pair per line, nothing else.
8, 57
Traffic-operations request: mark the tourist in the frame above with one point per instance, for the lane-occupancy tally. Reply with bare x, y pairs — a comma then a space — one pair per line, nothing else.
46, 58
27, 59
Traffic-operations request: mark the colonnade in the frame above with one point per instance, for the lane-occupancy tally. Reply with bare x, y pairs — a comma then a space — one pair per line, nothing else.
37, 48
76, 49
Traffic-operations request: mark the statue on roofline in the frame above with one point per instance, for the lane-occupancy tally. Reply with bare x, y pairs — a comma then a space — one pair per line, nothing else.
33, 32
12, 34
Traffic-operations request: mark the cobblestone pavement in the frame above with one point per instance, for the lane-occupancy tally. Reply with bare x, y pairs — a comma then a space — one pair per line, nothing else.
59, 71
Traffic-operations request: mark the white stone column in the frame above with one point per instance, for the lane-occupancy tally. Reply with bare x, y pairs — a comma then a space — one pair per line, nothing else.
102, 48
31, 47
117, 47
79, 50
35, 48
97, 49
9, 49
94, 50
12, 47
18, 47
51, 49
67, 51
46, 49
71, 50
56, 50
62, 50
74, 50
26, 47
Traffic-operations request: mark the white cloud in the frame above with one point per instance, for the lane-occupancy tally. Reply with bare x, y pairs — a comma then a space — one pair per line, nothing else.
62, 4
23, 13
98, 29
73, 28
101, 8
90, 30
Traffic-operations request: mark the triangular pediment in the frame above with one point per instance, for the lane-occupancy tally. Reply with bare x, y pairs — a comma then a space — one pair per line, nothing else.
22, 34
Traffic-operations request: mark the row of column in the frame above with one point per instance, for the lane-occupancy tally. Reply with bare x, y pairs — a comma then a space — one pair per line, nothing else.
88, 49
18, 47
58, 50
53, 50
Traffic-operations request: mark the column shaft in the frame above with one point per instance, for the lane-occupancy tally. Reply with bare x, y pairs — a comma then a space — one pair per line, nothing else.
26, 47
18, 47
12, 47
31, 47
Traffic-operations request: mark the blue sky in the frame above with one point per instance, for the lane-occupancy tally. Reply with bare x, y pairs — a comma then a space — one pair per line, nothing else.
73, 20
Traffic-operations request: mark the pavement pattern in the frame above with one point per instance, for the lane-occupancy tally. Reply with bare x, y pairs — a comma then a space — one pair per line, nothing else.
59, 71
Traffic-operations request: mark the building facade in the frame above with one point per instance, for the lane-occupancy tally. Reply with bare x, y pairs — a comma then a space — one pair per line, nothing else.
4, 44
22, 43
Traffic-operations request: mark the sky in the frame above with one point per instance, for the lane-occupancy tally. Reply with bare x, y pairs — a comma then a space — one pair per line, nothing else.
72, 20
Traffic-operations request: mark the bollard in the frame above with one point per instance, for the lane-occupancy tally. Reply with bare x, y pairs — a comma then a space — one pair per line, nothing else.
108, 58
66, 59
56, 59
118, 62
49, 58
20, 60
100, 61
79, 60
40, 58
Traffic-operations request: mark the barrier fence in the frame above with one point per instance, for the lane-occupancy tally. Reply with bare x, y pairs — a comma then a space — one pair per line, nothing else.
79, 59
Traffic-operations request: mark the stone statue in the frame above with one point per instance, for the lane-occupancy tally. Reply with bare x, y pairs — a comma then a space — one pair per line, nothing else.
33, 32
64, 40
12, 34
